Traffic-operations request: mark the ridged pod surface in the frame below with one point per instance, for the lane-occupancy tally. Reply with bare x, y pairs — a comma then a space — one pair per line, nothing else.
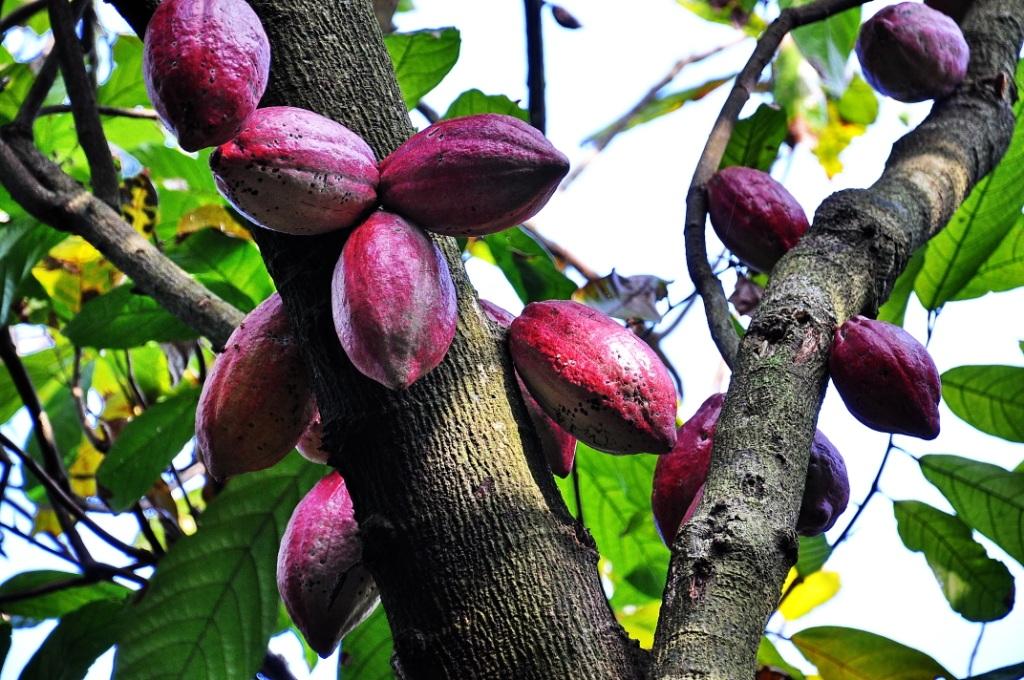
558, 445
297, 172
596, 379
911, 52
472, 176
320, 574
827, 490
754, 216
311, 440
886, 378
257, 398
393, 301
679, 476
205, 65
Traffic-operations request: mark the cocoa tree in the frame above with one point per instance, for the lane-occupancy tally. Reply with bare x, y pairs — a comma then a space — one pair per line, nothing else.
482, 567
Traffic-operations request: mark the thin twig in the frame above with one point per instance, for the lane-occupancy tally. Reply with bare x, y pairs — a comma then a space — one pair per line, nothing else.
37, 543
147, 530
535, 63
101, 444
428, 112
184, 493
140, 398
974, 651
120, 112
560, 253
716, 305
20, 15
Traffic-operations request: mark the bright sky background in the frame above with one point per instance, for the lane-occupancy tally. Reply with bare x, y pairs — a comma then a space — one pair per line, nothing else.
626, 211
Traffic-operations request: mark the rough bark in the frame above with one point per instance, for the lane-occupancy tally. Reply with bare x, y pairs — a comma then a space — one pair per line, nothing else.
482, 571
729, 562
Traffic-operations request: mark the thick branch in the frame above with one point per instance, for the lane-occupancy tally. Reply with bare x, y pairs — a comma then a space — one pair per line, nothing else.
730, 561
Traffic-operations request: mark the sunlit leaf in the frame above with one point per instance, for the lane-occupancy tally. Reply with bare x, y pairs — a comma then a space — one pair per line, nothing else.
528, 267
82, 473
813, 591
859, 103
230, 267
139, 203
849, 654
833, 138
422, 59
125, 88
991, 398
640, 622
1003, 270
211, 216
755, 140
827, 44
472, 102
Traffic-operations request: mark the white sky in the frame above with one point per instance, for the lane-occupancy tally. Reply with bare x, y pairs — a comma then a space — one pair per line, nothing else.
626, 211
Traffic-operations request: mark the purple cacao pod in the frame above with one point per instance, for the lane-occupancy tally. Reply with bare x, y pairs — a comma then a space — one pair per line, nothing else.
472, 176
886, 378
827, 490
754, 216
393, 301
297, 172
679, 476
311, 440
911, 52
205, 64
596, 379
320, 574
558, 445
257, 398
955, 9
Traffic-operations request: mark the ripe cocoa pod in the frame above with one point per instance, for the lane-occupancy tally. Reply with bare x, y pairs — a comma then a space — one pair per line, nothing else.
297, 172
679, 476
754, 216
205, 64
256, 400
320, 575
954, 9
558, 445
911, 52
886, 378
311, 440
472, 176
393, 301
827, 490
596, 379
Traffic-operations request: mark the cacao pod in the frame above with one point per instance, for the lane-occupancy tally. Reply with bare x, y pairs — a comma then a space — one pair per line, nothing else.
558, 445
911, 52
886, 378
296, 172
827, 490
754, 216
320, 574
205, 64
311, 440
679, 476
472, 176
596, 379
257, 398
955, 9
393, 301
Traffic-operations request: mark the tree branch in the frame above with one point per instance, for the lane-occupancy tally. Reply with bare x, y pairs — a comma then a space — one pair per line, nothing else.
535, 63
116, 111
730, 561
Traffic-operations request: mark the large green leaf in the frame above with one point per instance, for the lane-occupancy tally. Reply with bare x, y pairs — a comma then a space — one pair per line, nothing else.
977, 587
472, 102
850, 654
124, 87
212, 605
231, 267
124, 318
755, 140
165, 163
48, 369
528, 267
56, 604
814, 552
1004, 268
986, 497
422, 59
366, 651
22, 243
991, 210
859, 103
991, 398
895, 308
77, 641
146, 446
827, 44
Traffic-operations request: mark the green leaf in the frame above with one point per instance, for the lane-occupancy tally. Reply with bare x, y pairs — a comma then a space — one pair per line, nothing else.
991, 398
528, 267
212, 605
57, 604
956, 253
48, 369
422, 59
124, 87
849, 654
859, 103
146, 446
768, 655
472, 102
123, 318
814, 552
1014, 672
987, 497
165, 163
67, 429
1003, 270
735, 13
827, 44
895, 308
977, 587
17, 79
231, 267
366, 651
755, 140
23, 242
77, 641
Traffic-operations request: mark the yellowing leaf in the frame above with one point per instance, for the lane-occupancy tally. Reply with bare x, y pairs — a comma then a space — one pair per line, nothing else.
139, 203
816, 589
833, 139
46, 522
211, 217
640, 622
82, 472
477, 247
790, 577
74, 272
